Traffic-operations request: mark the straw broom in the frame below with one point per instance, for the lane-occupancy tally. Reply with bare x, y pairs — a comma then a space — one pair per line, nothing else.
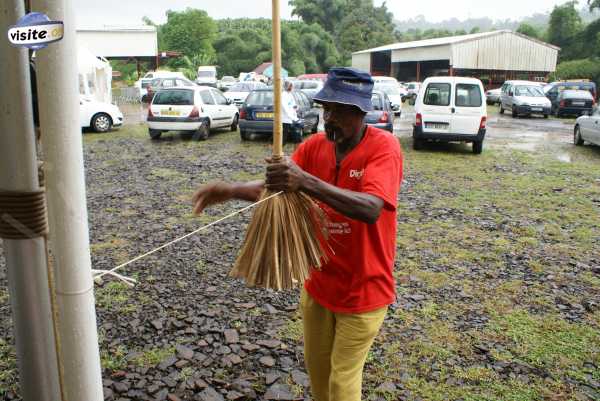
283, 241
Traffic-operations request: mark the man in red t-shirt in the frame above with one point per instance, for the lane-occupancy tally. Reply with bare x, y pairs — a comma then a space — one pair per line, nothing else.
354, 172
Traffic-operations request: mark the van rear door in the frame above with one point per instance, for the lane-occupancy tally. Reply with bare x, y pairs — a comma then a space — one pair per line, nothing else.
437, 113
468, 108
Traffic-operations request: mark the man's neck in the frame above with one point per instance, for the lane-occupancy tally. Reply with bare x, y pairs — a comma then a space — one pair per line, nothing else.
343, 148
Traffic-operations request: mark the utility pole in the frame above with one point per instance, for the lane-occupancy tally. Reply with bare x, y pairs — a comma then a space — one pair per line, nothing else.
62, 146
24, 249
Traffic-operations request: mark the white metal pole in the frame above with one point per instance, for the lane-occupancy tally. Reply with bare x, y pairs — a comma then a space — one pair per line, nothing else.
25, 259
63, 151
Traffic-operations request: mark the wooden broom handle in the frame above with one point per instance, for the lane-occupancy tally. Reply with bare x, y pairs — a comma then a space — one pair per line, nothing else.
277, 89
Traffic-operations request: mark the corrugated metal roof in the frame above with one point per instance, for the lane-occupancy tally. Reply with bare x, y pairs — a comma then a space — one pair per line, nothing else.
447, 41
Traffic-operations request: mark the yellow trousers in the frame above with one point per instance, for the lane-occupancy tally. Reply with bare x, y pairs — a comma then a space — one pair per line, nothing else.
335, 349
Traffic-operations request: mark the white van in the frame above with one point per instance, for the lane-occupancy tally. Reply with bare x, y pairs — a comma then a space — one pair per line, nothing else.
393, 89
450, 109
207, 75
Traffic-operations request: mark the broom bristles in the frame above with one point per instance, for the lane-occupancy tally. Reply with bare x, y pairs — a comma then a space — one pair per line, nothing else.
283, 242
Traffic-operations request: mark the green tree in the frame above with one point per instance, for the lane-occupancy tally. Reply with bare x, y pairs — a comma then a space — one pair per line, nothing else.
530, 30
365, 27
593, 4
327, 13
191, 32
563, 30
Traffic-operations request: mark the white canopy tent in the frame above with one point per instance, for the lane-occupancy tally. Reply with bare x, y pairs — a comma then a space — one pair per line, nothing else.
95, 76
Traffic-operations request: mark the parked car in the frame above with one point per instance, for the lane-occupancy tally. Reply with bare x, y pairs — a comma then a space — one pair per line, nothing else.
450, 109
144, 81
194, 109
207, 75
493, 96
226, 82
162, 83
554, 88
392, 90
413, 89
587, 128
524, 97
309, 87
320, 77
572, 102
239, 91
382, 115
256, 115
99, 116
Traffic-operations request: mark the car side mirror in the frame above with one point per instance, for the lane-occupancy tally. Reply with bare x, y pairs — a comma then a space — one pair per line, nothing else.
511, 93
229, 101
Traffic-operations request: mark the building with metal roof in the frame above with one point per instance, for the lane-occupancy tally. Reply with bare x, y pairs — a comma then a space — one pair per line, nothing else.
491, 56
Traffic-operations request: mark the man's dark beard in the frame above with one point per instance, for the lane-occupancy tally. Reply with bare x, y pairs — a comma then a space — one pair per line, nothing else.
332, 131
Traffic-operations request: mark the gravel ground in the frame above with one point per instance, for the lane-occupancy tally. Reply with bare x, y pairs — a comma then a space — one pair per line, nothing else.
498, 273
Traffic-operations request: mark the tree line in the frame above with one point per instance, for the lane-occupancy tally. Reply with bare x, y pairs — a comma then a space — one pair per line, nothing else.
328, 31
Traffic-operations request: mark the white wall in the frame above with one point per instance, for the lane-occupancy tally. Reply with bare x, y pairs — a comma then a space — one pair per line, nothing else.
119, 43
362, 61
443, 52
506, 51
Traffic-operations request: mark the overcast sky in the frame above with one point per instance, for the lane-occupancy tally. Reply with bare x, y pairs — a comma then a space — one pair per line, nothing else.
130, 12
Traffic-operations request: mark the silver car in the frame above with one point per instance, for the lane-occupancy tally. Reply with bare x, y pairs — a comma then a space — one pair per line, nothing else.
587, 129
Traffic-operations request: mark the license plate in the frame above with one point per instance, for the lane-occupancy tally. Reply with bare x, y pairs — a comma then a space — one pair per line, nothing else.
169, 112
264, 115
578, 103
536, 109
436, 125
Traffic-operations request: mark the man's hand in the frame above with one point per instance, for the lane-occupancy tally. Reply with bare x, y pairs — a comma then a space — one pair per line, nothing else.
284, 175
210, 194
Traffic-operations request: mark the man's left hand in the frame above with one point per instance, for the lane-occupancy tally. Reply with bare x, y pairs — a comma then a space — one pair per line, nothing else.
284, 175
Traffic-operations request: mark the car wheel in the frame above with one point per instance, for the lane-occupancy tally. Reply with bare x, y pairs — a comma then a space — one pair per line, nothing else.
545, 115
418, 143
154, 134
202, 133
514, 114
234, 124
101, 122
477, 147
501, 109
315, 128
292, 135
244, 135
557, 113
577, 139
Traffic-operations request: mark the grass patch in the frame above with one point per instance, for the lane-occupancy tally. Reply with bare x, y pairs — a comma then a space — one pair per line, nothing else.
115, 295
152, 357
292, 330
8, 368
114, 359
547, 342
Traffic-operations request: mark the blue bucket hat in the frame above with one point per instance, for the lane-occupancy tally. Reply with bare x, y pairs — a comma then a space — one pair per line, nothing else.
347, 85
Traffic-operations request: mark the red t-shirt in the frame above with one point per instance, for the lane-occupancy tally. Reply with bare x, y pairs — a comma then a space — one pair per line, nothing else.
358, 276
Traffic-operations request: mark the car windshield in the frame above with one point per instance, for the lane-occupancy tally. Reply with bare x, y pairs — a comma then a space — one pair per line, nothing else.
393, 90
412, 86
228, 79
376, 101
260, 98
174, 97
530, 91
206, 74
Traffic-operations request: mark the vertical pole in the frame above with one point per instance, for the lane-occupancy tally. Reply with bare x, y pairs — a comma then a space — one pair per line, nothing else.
67, 212
418, 71
451, 71
26, 261
277, 125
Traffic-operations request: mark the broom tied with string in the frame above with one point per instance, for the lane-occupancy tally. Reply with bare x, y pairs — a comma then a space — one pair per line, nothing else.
283, 240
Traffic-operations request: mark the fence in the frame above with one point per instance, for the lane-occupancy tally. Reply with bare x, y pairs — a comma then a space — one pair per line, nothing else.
128, 95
